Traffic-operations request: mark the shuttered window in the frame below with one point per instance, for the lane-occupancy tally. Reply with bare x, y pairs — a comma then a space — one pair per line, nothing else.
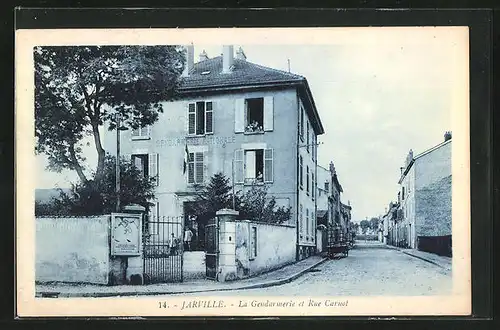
197, 167
200, 118
307, 137
307, 179
313, 186
301, 170
302, 123
301, 220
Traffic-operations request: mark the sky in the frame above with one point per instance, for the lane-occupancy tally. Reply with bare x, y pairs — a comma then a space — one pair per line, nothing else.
377, 99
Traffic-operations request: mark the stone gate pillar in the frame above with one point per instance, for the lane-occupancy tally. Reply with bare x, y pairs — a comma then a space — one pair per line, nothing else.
227, 245
134, 272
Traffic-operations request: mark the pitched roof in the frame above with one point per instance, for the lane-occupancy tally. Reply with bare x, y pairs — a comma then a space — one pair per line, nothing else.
207, 77
208, 74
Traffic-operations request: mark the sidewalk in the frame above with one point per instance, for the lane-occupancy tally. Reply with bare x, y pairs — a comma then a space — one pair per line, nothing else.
440, 261
276, 277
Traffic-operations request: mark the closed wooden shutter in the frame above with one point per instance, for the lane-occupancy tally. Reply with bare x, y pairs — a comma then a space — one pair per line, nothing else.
239, 116
191, 119
238, 166
199, 167
209, 125
268, 113
268, 165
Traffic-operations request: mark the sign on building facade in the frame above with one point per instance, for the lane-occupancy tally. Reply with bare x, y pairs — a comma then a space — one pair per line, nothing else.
126, 233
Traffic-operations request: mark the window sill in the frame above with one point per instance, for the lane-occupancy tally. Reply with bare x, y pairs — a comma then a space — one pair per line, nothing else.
197, 135
253, 133
138, 138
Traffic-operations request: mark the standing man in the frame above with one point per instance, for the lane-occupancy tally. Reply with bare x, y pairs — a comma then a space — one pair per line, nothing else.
188, 235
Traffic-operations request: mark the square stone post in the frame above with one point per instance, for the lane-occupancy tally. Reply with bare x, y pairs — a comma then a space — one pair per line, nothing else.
135, 264
227, 245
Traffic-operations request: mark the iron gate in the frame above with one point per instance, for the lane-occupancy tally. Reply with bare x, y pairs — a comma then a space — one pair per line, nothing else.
163, 249
212, 248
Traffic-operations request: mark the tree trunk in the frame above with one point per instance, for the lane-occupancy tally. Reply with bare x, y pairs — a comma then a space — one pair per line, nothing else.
76, 165
101, 154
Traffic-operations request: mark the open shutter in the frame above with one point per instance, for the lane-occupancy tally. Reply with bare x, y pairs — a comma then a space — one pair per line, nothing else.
238, 166
199, 167
239, 116
191, 120
250, 170
268, 165
268, 113
147, 131
153, 167
209, 121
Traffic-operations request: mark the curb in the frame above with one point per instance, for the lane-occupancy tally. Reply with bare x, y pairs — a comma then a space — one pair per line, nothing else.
152, 293
425, 259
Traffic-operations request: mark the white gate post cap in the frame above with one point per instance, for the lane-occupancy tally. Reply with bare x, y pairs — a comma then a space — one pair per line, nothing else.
134, 208
227, 212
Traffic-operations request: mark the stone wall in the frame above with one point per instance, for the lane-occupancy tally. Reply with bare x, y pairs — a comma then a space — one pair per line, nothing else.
275, 247
433, 209
72, 250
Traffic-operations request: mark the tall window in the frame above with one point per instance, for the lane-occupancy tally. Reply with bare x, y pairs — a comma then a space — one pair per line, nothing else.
302, 123
301, 170
255, 115
301, 219
313, 147
307, 179
307, 137
313, 186
141, 132
253, 166
200, 118
403, 194
147, 164
327, 186
196, 167
307, 222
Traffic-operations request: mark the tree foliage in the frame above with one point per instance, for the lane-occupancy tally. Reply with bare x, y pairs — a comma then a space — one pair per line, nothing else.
80, 89
253, 204
364, 224
98, 196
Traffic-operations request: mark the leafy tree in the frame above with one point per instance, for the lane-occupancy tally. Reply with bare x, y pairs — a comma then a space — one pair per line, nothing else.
365, 224
252, 204
214, 196
374, 223
80, 89
98, 196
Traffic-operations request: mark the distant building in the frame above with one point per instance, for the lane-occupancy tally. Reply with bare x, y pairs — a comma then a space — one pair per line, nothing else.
425, 200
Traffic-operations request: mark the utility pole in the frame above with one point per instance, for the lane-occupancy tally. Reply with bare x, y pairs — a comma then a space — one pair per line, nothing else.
118, 124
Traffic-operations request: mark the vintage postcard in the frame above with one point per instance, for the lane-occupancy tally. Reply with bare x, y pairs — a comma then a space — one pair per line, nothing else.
243, 172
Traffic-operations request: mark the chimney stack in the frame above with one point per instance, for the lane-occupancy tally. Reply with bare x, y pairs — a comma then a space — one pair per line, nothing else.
203, 56
189, 60
227, 59
240, 54
447, 135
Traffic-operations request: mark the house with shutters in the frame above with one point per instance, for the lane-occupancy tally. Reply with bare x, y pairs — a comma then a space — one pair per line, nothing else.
255, 124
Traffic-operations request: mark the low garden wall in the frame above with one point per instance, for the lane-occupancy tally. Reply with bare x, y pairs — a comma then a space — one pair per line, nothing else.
73, 250
261, 247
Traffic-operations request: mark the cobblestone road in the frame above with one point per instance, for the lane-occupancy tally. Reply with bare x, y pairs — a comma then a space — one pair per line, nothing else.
368, 270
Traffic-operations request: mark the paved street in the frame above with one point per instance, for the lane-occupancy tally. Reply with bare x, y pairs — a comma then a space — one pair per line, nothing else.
370, 269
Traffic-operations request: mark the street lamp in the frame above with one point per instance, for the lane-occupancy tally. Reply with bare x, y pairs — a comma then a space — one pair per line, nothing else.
119, 128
